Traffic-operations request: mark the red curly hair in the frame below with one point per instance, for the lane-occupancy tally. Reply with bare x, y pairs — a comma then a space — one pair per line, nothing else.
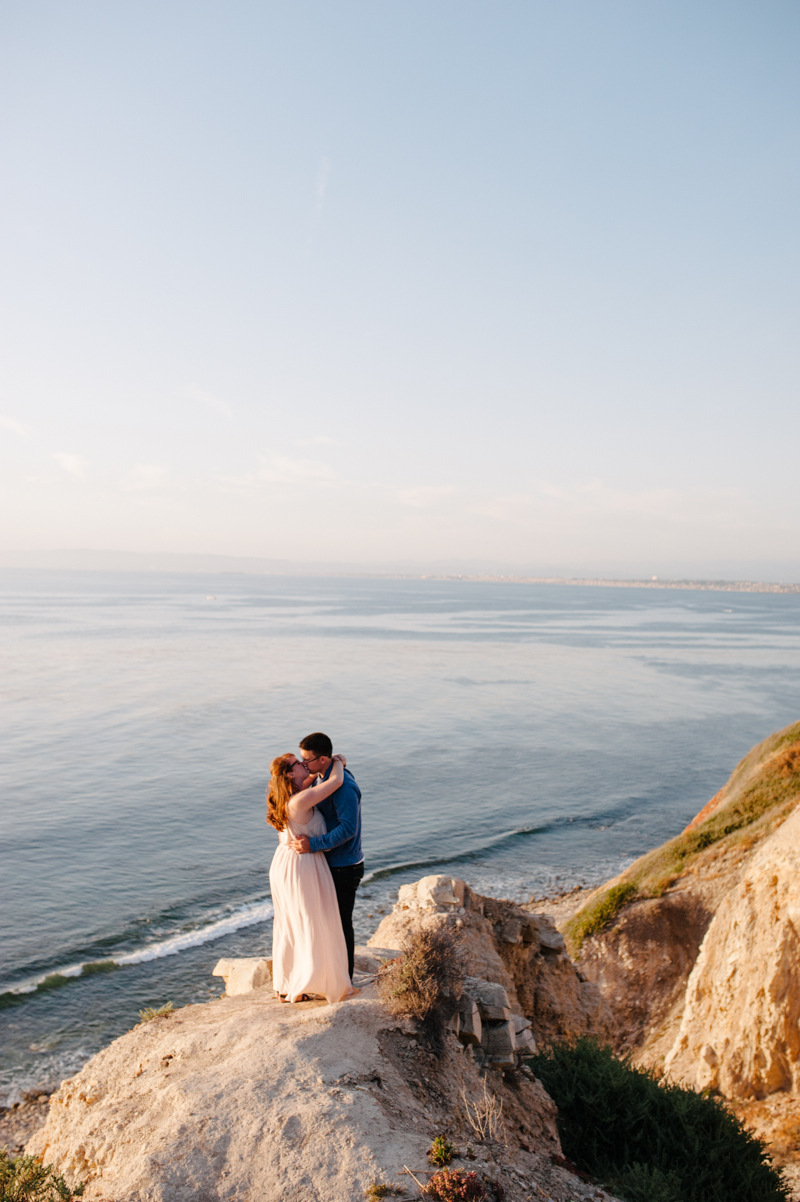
281, 789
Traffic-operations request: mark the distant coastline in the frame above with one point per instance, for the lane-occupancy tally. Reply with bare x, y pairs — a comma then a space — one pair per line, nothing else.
719, 586
781, 577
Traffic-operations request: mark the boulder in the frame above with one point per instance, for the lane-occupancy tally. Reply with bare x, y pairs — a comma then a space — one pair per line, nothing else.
491, 999
244, 975
500, 1044
551, 939
431, 893
523, 1035
470, 1026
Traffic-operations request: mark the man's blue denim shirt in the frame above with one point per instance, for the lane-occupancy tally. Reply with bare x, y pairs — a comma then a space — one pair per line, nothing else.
342, 814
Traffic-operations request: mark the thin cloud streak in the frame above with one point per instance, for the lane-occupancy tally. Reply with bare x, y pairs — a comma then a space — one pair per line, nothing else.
74, 464
281, 471
424, 497
9, 423
320, 190
145, 477
323, 175
208, 400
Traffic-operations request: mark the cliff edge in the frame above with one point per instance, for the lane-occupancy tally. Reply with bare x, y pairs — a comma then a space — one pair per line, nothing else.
247, 1098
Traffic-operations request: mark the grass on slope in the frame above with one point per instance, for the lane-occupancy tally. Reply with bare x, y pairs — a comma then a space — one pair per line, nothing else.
762, 789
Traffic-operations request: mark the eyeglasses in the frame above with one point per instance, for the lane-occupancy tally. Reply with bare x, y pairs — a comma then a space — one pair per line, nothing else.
310, 760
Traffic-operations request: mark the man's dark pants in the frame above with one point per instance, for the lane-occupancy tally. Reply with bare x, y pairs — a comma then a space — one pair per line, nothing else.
346, 880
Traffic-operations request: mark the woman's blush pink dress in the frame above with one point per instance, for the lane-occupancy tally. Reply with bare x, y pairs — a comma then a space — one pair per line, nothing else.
309, 954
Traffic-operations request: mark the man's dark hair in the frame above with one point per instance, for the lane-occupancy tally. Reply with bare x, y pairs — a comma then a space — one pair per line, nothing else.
319, 743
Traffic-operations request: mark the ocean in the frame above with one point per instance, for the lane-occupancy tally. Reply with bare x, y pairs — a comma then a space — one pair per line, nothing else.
525, 737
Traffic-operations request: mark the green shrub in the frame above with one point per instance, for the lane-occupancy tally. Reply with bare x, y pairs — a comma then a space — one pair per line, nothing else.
644, 1183
441, 1151
649, 1141
382, 1189
25, 1179
425, 982
162, 1012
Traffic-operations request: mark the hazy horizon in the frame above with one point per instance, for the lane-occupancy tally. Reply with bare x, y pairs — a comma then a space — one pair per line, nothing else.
784, 572
510, 284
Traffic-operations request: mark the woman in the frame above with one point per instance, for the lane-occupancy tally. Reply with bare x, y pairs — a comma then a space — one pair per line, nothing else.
309, 955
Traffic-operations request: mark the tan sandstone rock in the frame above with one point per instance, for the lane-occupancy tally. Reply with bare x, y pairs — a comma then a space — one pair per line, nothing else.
243, 975
507, 944
739, 1031
246, 1098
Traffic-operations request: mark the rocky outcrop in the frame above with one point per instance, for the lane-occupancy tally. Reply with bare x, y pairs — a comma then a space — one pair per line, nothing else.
739, 1030
245, 1097
507, 944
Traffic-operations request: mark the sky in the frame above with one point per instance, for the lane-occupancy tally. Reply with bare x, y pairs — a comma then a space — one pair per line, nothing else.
433, 282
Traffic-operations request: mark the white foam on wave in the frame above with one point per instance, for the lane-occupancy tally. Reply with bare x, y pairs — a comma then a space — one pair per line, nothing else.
44, 1074
247, 916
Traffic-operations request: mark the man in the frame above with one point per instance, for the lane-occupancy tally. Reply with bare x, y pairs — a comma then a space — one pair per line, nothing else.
342, 843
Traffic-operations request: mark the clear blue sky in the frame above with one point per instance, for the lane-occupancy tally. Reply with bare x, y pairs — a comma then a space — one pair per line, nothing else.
496, 282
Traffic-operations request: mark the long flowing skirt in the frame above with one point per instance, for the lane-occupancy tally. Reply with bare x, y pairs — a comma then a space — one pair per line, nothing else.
309, 954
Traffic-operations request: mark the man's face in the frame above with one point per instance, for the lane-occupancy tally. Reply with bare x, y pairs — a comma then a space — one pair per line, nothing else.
315, 763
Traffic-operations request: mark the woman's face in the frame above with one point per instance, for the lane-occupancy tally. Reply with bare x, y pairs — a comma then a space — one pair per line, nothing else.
299, 774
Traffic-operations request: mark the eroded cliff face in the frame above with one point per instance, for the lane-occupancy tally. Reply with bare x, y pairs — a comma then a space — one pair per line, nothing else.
739, 1030
642, 959
703, 981
641, 964
510, 944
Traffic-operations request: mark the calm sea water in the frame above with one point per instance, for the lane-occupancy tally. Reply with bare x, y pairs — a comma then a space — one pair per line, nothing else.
524, 737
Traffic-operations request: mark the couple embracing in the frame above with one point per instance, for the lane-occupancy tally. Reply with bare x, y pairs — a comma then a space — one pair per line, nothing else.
315, 805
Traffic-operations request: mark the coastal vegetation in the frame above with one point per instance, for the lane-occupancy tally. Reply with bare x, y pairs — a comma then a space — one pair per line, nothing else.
382, 1189
454, 1185
149, 1013
424, 983
441, 1151
761, 791
26, 1179
650, 1140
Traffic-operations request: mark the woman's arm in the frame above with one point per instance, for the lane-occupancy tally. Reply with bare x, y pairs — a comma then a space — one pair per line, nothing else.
303, 803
